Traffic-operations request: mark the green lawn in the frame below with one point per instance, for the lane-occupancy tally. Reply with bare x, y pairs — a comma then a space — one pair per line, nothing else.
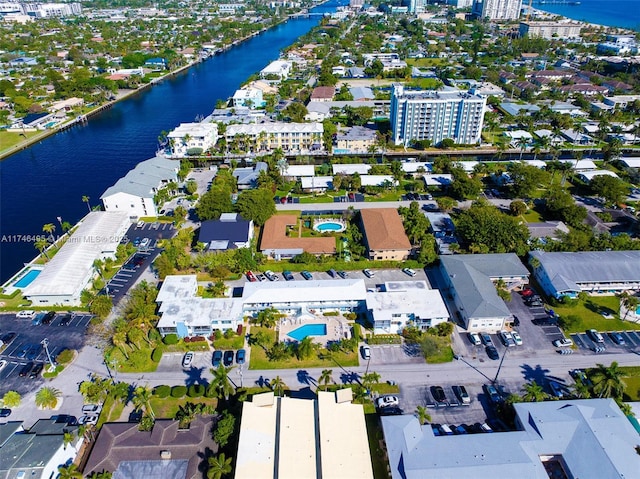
259, 358
376, 439
425, 62
167, 407
9, 140
532, 216
445, 354
590, 317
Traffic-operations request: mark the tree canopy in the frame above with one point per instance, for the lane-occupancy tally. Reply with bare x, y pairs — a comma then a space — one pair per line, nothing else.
256, 205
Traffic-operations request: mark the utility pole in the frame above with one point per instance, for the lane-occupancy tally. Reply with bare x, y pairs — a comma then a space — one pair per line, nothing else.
45, 343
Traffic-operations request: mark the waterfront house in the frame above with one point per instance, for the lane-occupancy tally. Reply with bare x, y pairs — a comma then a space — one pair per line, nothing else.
264, 137
190, 139
248, 97
276, 70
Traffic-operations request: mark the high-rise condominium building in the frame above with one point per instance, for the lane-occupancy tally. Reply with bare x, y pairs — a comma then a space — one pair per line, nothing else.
436, 115
497, 9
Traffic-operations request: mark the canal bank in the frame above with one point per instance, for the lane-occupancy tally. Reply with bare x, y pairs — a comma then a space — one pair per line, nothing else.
49, 179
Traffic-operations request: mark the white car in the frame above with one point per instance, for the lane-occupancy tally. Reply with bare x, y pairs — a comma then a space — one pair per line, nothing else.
144, 243
3, 363
26, 314
563, 343
187, 360
474, 338
91, 409
88, 420
368, 273
516, 337
140, 224
409, 272
387, 401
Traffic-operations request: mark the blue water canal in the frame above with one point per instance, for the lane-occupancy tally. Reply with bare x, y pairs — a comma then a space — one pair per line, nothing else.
49, 179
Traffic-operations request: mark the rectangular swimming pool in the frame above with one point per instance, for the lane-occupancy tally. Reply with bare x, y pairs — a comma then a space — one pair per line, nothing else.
27, 279
308, 330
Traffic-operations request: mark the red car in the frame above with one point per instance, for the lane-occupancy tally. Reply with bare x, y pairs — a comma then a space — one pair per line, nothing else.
251, 277
527, 292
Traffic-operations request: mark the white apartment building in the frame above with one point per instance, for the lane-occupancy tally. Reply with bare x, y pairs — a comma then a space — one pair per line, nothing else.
549, 30
270, 136
436, 115
41, 10
191, 137
497, 9
279, 68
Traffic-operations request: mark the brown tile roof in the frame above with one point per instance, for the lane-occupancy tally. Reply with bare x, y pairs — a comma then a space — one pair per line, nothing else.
323, 93
121, 441
274, 236
383, 229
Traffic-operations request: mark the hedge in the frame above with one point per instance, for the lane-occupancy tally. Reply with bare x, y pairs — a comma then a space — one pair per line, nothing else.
156, 355
178, 391
196, 391
162, 391
356, 332
170, 339
211, 392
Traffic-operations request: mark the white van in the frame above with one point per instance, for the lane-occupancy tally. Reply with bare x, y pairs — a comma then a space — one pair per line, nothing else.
26, 314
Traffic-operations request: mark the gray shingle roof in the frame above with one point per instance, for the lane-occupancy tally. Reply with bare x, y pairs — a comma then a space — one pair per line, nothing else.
145, 178
471, 277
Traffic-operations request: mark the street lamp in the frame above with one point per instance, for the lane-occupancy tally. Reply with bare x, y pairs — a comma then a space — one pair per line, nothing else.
45, 343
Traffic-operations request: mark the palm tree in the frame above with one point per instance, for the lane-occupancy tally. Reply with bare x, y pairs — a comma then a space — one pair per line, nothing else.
533, 392
220, 381
69, 472
219, 466
580, 390
41, 245
522, 143
49, 228
370, 379
86, 200
630, 303
305, 348
607, 381
325, 377
141, 398
423, 415
278, 385
68, 438
47, 398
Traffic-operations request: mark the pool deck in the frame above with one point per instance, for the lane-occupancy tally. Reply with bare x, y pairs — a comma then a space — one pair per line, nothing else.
337, 327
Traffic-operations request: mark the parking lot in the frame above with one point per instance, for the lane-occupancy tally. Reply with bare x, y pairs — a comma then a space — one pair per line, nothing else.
394, 354
631, 342
121, 282
26, 346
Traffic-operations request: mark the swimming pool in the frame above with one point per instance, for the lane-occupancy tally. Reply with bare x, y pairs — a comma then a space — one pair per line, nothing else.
27, 279
308, 330
329, 226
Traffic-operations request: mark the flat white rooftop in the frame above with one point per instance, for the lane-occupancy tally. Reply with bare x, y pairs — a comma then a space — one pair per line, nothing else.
304, 291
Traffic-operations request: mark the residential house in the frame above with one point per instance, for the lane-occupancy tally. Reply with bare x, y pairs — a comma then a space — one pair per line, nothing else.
357, 139
230, 231
248, 97
279, 69
470, 282
593, 272
247, 177
192, 139
323, 93
383, 234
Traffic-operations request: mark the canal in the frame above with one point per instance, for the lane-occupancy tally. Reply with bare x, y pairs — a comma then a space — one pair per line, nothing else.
48, 180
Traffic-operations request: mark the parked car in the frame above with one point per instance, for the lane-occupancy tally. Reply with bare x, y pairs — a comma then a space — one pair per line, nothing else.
25, 314
438, 393
534, 303
492, 352
227, 359
23, 352
251, 277
26, 369
387, 401
187, 360
145, 243
66, 320
3, 363
332, 273
34, 352
8, 338
492, 393
563, 343
366, 352
595, 336
4, 412
507, 339
474, 338
462, 394
270, 275
617, 338
48, 317
136, 241
306, 275
528, 292
88, 420
36, 370
217, 358
287, 276
557, 390
580, 375
343, 274
409, 271
368, 273
91, 409
486, 339
140, 224
240, 356
516, 338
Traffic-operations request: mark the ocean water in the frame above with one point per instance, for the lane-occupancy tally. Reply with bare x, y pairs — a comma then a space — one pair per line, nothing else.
613, 13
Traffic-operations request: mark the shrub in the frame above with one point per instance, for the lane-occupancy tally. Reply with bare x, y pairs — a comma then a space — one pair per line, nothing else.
65, 356
211, 392
156, 355
330, 313
356, 332
196, 391
178, 391
162, 391
170, 339
187, 339
218, 334
198, 339
228, 333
